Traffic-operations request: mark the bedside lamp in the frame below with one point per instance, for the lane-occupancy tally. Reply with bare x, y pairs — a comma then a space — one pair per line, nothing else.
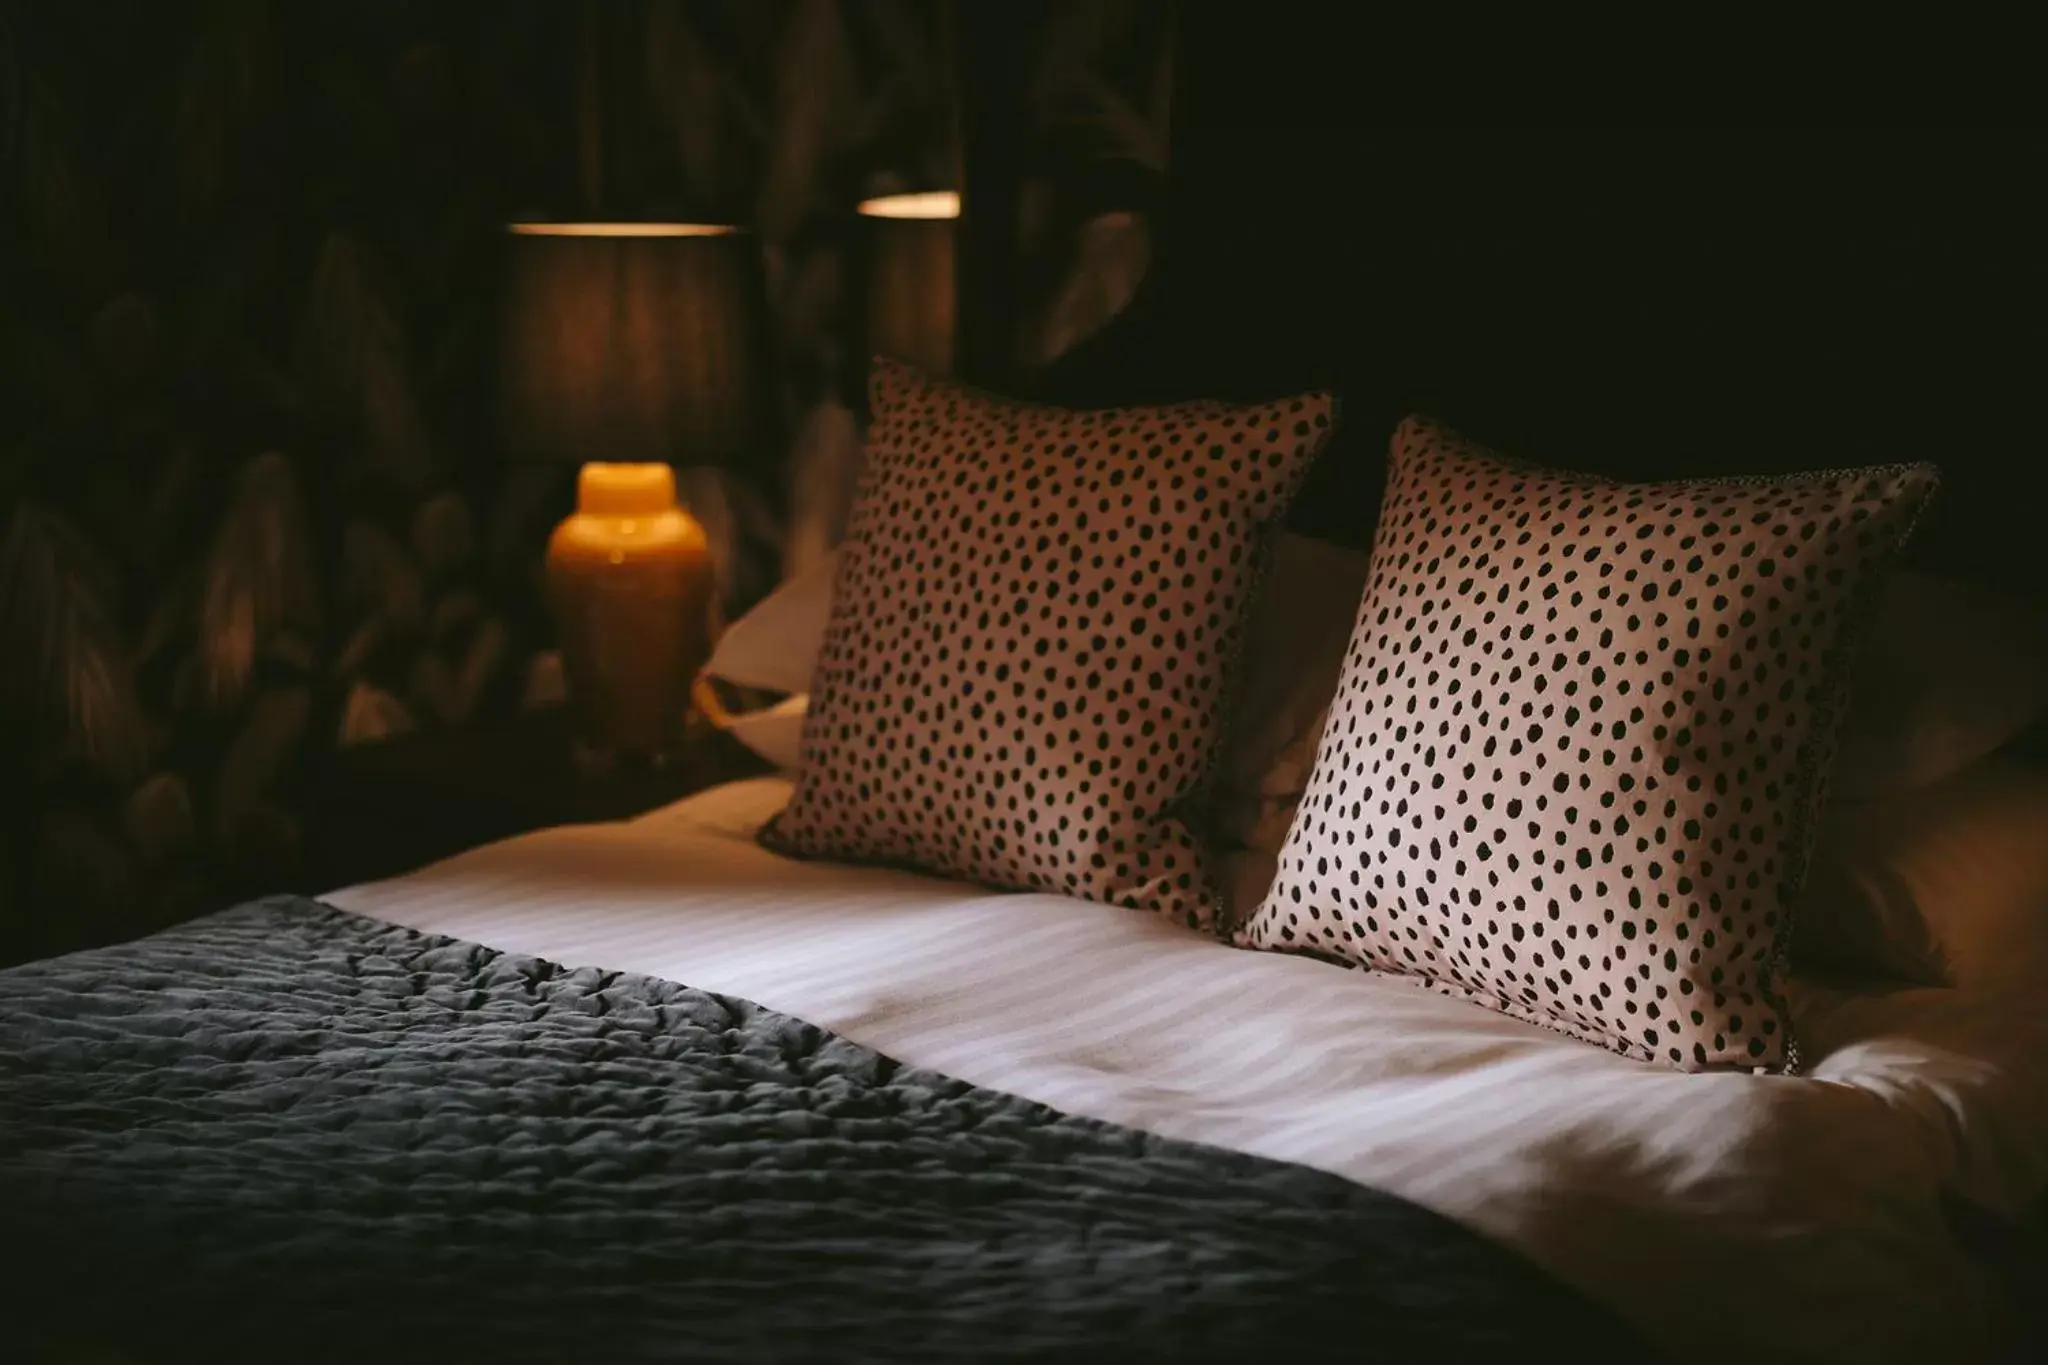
630, 348
908, 245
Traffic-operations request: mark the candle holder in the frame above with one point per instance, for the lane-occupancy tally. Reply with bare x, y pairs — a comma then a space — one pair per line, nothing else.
629, 577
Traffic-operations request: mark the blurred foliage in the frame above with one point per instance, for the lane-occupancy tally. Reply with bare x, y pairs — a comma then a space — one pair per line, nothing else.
247, 288
244, 299
247, 255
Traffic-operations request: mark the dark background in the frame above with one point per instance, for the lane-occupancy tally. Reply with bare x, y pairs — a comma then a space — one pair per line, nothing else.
1723, 295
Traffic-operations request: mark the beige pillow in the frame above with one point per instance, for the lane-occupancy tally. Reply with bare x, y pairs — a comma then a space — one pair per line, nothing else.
1946, 673
1945, 885
1574, 759
1034, 632
1294, 649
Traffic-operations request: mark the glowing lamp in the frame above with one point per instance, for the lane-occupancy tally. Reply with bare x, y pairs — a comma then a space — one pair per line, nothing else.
629, 575
631, 341
908, 241
629, 349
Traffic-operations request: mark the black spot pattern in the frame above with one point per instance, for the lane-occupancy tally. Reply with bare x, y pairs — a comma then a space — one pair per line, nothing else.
1582, 730
1033, 631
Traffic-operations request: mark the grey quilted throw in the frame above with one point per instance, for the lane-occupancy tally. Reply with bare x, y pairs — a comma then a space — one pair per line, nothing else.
288, 1133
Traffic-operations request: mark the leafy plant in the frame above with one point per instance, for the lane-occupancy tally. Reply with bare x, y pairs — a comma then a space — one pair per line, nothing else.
66, 680
262, 587
243, 306
248, 256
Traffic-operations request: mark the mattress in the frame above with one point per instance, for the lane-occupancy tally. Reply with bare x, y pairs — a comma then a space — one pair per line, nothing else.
1837, 1214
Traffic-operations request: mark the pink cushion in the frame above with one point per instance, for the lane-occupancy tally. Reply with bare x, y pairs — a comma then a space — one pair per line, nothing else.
1034, 634
1948, 673
1944, 885
1580, 740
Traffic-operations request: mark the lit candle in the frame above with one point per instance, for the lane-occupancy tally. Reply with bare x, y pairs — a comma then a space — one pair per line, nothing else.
630, 576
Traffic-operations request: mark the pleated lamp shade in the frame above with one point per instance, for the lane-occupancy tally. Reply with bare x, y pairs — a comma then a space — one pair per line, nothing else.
631, 342
908, 243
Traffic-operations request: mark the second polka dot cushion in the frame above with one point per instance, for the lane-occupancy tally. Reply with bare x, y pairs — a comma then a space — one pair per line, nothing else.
1033, 638
1579, 742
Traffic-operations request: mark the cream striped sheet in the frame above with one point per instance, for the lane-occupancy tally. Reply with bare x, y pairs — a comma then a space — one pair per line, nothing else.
1733, 1217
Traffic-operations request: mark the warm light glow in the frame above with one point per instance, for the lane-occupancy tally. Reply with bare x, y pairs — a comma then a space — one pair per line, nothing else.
933, 204
630, 578
623, 229
639, 347
626, 491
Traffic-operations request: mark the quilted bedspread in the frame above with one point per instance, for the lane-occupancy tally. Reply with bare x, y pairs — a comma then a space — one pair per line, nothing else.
288, 1133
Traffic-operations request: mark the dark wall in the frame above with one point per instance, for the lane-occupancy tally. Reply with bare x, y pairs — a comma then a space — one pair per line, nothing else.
254, 507
1654, 301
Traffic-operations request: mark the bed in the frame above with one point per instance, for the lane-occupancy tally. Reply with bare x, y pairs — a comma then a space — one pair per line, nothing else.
348, 1130
1281, 1155
649, 1091
1856, 1207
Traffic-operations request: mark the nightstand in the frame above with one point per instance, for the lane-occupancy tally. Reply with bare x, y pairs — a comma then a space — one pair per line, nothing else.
381, 809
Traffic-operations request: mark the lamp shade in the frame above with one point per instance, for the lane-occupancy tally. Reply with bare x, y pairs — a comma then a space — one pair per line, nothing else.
908, 310
630, 342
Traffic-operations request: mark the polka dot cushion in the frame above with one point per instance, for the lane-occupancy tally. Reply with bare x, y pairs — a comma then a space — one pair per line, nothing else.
1033, 638
1580, 740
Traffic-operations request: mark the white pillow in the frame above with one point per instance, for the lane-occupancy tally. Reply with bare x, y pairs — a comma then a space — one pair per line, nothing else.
775, 732
1944, 885
774, 648
1944, 674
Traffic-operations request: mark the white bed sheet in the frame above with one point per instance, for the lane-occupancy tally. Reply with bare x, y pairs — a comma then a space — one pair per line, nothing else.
1732, 1217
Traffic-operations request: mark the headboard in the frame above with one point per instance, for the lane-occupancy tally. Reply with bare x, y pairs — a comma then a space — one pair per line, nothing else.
1640, 302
